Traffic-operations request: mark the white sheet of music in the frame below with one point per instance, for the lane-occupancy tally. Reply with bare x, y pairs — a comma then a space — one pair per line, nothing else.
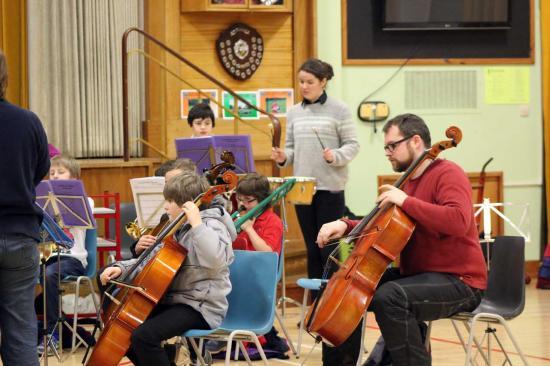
148, 199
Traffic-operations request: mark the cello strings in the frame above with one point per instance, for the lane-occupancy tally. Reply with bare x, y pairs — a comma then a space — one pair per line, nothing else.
339, 243
336, 241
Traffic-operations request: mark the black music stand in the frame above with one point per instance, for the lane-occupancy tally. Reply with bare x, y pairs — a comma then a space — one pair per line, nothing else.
66, 200
52, 236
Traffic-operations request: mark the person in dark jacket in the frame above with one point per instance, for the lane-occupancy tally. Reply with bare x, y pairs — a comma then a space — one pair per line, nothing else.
24, 161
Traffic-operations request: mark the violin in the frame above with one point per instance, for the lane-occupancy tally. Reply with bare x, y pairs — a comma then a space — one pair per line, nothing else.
139, 298
377, 240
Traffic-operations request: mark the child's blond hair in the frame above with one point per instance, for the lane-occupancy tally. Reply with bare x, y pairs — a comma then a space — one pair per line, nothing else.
68, 163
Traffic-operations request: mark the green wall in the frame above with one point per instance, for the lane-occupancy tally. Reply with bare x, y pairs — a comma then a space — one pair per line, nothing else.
496, 131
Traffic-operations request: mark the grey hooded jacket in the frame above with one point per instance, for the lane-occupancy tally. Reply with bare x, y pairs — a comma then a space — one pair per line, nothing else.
203, 280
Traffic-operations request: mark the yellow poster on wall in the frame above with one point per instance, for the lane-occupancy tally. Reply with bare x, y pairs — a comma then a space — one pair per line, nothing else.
507, 85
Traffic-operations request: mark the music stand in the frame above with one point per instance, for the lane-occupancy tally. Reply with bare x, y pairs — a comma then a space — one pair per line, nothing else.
66, 200
52, 235
149, 200
206, 151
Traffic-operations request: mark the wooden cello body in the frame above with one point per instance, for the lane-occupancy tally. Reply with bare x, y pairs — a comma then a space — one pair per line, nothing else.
147, 287
342, 305
137, 304
378, 239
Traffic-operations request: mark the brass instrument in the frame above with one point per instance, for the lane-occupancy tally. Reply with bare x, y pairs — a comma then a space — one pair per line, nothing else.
46, 250
134, 230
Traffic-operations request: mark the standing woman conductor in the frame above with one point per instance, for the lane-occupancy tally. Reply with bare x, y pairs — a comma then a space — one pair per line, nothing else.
320, 142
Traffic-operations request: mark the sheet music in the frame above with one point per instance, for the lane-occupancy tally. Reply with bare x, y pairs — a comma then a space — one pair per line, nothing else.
149, 200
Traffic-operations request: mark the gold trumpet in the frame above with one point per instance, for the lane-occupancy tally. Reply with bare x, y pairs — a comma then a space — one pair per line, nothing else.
46, 249
134, 230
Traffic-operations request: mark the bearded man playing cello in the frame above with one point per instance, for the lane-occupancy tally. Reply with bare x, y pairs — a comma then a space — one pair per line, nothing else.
442, 269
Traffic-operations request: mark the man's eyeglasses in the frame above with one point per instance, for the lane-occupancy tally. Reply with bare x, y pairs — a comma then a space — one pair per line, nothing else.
245, 200
390, 147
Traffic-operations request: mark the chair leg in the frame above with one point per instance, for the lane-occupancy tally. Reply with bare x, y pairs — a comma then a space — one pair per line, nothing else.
197, 350
479, 345
252, 336
75, 314
309, 353
501, 321
507, 329
302, 316
362, 347
287, 336
244, 351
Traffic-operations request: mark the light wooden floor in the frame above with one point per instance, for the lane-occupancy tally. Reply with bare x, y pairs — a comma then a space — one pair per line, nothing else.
531, 328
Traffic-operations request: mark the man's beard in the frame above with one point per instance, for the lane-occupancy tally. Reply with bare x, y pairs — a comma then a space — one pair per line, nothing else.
401, 166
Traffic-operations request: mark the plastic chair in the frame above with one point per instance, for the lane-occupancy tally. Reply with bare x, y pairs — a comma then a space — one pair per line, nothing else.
248, 316
503, 300
88, 277
283, 298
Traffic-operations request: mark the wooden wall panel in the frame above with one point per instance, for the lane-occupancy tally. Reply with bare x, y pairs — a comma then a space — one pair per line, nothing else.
13, 41
198, 40
114, 175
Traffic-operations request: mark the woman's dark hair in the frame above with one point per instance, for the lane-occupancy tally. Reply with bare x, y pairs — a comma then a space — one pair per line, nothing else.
201, 111
410, 124
254, 185
321, 70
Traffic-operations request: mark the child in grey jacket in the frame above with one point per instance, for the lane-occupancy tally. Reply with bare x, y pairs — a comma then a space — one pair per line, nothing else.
196, 299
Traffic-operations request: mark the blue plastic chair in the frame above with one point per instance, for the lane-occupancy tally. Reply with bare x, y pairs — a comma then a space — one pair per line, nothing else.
283, 299
251, 303
308, 284
88, 277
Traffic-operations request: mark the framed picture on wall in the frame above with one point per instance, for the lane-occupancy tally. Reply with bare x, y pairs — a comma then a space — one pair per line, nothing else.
276, 101
189, 98
245, 112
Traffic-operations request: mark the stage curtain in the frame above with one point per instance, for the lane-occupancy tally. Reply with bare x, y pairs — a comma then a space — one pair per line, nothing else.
75, 73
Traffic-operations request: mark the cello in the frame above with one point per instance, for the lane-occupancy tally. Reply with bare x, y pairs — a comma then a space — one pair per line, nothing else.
377, 240
140, 297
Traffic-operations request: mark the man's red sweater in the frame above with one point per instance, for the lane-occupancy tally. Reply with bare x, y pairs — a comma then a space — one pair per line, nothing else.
445, 238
